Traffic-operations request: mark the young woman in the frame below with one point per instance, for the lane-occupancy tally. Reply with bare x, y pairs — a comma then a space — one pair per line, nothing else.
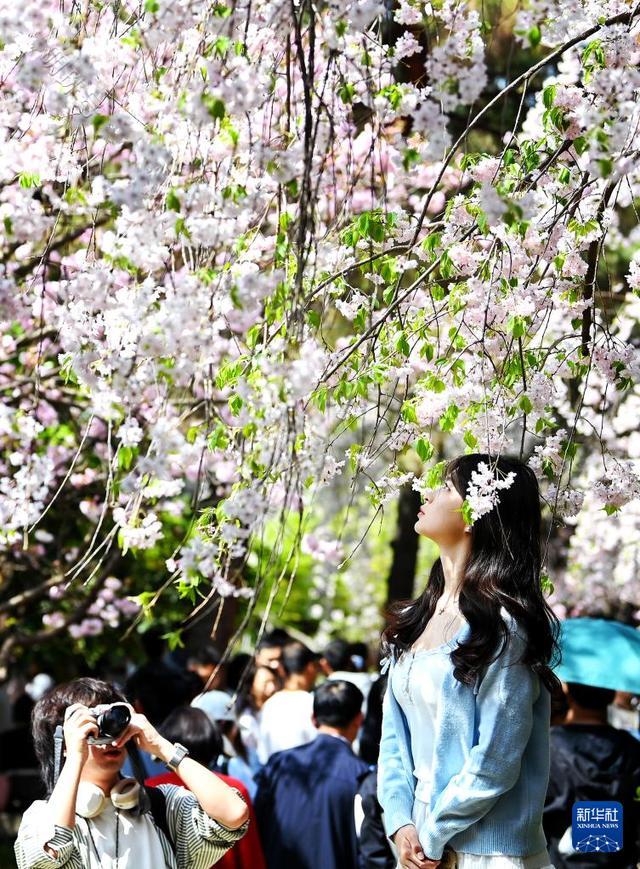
93, 818
464, 757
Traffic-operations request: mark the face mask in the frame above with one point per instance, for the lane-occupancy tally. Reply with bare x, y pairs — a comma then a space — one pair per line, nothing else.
624, 719
91, 799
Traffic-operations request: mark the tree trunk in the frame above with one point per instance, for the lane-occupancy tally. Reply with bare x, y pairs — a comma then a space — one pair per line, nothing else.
405, 547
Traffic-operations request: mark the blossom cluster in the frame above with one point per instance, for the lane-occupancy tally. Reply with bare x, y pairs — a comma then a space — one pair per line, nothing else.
233, 275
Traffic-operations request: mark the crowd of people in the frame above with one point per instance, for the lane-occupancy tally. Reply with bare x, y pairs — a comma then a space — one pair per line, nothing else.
297, 734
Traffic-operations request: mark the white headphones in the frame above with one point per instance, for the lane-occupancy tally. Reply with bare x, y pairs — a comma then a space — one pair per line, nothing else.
91, 799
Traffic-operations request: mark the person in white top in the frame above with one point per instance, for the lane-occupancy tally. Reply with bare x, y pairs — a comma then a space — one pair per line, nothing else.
286, 716
93, 818
337, 663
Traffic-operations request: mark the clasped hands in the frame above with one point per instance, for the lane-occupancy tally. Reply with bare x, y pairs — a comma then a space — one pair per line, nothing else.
410, 851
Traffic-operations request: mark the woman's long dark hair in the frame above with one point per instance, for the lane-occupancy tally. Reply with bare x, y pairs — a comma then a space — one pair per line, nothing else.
503, 570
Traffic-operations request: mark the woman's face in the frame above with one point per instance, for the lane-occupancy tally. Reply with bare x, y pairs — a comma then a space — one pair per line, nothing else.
265, 683
440, 517
103, 762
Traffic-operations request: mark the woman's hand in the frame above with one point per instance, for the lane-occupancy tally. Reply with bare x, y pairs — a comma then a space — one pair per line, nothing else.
410, 850
79, 724
146, 737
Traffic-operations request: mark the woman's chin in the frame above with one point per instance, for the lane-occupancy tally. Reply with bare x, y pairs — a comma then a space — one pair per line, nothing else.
423, 530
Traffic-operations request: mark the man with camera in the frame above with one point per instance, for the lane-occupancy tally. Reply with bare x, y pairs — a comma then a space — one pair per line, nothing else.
93, 817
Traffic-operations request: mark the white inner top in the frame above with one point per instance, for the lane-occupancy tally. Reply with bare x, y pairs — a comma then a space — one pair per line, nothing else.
139, 843
416, 683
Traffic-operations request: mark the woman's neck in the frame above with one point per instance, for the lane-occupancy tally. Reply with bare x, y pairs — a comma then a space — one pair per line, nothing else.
454, 558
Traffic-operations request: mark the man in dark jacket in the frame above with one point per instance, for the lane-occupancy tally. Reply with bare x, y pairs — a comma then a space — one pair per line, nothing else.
591, 760
305, 799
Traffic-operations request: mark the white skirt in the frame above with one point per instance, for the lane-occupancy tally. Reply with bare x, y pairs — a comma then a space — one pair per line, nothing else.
464, 860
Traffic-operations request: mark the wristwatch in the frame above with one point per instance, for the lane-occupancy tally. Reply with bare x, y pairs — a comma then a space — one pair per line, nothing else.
179, 754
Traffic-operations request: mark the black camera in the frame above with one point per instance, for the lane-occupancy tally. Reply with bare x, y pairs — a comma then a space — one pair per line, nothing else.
112, 720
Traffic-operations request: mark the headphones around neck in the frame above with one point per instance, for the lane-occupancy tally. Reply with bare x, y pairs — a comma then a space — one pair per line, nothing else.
91, 799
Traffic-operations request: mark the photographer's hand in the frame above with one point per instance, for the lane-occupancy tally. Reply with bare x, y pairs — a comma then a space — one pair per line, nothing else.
146, 737
218, 800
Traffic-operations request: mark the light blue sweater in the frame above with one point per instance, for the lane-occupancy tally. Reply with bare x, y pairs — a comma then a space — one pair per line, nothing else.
492, 759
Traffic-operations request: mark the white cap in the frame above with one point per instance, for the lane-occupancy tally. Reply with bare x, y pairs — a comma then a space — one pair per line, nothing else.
217, 705
39, 685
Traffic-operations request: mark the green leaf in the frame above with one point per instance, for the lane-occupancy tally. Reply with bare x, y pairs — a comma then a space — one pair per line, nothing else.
174, 639
320, 398
435, 475
606, 166
229, 373
360, 320
98, 122
218, 438
525, 404
408, 412
517, 325
448, 419
549, 95
215, 106
172, 200
545, 584
236, 403
424, 449
467, 513
346, 92
534, 35
402, 345
470, 440
29, 179
125, 457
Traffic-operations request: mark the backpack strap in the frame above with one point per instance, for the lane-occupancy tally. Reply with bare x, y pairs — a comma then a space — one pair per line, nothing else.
158, 803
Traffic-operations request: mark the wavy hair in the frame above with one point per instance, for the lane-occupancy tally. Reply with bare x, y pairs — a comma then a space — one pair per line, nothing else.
503, 570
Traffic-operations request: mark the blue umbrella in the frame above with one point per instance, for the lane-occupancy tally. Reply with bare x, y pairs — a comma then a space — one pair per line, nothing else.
599, 652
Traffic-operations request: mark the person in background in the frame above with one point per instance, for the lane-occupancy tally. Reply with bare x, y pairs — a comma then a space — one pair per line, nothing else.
375, 849
559, 705
305, 801
238, 670
92, 818
156, 687
591, 760
261, 684
234, 758
16, 744
624, 712
337, 663
192, 728
359, 652
286, 716
269, 651
206, 664
371, 733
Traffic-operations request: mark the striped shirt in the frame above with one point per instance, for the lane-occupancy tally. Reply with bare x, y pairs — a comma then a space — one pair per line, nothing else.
199, 840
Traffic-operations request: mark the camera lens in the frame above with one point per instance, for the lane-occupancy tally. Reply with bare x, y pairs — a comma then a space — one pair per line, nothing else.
114, 721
